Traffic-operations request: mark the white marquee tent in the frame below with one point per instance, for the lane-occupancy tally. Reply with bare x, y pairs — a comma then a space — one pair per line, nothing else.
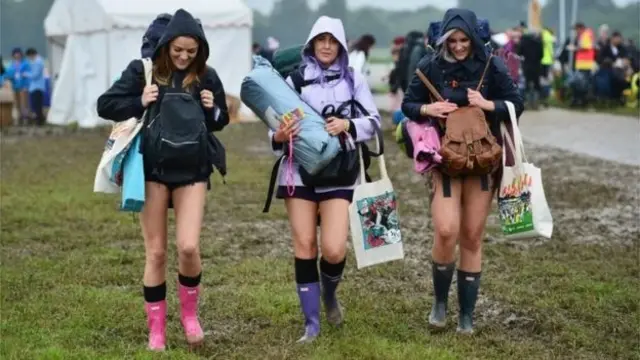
92, 41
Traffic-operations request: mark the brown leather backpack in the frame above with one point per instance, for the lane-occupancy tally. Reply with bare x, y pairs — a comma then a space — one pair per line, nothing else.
467, 147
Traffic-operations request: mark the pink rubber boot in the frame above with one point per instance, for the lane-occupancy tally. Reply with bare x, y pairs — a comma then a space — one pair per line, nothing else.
157, 324
189, 313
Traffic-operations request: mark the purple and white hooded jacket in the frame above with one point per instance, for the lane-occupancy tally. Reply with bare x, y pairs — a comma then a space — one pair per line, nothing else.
320, 94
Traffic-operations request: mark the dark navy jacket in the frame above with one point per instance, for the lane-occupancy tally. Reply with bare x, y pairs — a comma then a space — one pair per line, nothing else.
452, 79
124, 99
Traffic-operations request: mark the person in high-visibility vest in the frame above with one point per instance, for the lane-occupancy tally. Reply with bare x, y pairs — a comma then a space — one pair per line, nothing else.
548, 42
585, 50
632, 94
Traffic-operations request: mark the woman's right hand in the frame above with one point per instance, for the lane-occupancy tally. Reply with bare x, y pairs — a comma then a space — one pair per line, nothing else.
439, 109
149, 94
285, 131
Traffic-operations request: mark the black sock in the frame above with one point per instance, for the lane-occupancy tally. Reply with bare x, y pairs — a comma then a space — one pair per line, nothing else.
306, 271
332, 270
189, 281
155, 293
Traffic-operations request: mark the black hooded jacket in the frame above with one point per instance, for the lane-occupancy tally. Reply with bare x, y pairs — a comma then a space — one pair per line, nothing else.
452, 79
123, 100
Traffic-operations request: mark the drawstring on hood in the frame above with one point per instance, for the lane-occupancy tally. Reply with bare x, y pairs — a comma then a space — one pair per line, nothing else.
334, 27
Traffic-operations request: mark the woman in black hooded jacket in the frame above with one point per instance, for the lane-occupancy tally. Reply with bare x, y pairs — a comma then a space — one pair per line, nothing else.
180, 69
460, 206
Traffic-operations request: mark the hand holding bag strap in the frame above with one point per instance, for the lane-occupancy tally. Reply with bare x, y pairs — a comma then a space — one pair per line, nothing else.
147, 65
484, 73
355, 104
148, 70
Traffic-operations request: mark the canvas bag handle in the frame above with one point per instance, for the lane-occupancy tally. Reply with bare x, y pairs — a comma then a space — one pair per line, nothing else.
147, 65
148, 70
381, 162
517, 145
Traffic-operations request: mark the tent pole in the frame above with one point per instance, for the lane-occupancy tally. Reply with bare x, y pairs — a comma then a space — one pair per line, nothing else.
563, 22
574, 19
107, 34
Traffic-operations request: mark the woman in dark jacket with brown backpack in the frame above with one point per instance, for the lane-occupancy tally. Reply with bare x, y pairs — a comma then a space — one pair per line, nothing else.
461, 200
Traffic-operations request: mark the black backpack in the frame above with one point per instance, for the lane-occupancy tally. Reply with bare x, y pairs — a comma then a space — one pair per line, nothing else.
176, 139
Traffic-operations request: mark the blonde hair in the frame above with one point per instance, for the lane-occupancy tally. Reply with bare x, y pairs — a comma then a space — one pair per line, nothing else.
444, 52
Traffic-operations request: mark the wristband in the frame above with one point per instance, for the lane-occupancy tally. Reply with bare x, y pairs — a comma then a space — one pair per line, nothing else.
423, 110
347, 125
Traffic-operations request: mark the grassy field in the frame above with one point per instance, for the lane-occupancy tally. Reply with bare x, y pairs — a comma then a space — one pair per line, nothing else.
71, 268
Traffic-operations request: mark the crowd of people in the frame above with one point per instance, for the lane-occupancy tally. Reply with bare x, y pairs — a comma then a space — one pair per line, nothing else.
27, 77
582, 71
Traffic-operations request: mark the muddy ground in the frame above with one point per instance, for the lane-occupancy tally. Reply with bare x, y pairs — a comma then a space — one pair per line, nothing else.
572, 297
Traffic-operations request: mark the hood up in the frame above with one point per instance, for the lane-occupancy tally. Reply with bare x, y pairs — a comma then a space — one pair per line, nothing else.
466, 21
332, 26
183, 24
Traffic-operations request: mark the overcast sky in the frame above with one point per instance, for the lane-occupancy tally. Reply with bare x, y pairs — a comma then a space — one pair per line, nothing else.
266, 5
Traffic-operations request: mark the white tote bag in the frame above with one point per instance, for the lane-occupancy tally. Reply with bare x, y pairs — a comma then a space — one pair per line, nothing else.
524, 212
373, 214
109, 173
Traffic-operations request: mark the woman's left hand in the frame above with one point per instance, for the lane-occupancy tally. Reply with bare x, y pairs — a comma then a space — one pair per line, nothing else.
206, 97
335, 126
476, 99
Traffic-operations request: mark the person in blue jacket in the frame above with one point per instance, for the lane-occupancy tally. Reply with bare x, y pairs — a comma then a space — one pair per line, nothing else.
17, 73
460, 205
37, 84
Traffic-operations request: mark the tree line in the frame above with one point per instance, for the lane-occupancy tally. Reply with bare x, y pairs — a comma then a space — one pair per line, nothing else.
21, 23
291, 20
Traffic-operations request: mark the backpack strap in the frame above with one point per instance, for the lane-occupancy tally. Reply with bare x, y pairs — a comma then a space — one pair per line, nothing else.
429, 85
298, 80
272, 183
486, 67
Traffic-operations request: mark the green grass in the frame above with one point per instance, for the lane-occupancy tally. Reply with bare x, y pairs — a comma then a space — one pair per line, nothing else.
71, 271
380, 89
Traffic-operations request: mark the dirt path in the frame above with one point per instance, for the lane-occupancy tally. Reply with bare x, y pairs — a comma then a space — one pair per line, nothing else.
609, 137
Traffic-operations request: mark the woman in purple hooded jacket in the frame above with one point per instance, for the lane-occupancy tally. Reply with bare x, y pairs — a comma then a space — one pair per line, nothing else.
325, 62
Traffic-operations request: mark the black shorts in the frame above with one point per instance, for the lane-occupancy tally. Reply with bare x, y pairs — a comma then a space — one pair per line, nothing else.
172, 186
307, 193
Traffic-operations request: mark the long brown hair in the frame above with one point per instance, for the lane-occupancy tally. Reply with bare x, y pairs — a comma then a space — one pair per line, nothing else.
163, 67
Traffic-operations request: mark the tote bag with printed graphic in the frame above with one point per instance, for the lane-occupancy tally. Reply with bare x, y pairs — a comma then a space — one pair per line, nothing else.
373, 215
524, 212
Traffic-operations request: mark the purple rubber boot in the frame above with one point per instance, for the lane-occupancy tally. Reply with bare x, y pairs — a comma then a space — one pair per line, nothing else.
309, 295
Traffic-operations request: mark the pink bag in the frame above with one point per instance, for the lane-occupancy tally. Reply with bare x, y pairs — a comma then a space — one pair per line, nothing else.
426, 144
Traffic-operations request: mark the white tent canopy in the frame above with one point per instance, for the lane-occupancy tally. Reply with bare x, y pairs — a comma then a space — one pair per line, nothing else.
92, 41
